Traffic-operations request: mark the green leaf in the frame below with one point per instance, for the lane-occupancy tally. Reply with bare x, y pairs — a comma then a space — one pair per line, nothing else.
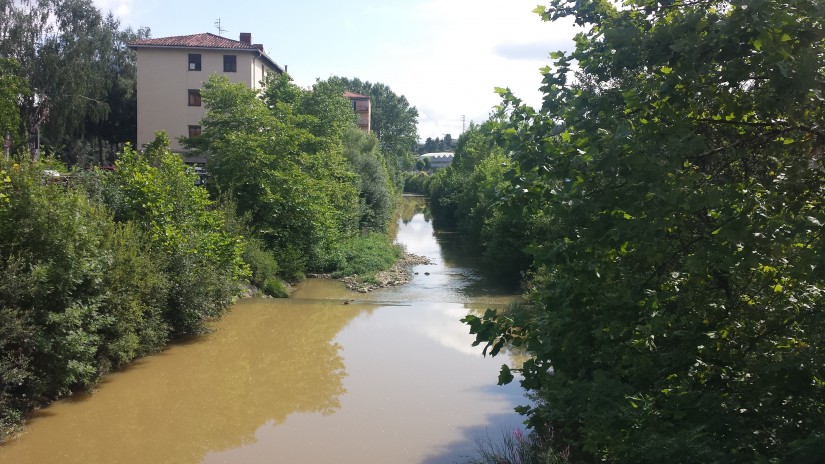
777, 288
505, 376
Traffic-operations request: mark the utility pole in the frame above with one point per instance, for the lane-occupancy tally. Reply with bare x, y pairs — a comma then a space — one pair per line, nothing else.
463, 123
218, 25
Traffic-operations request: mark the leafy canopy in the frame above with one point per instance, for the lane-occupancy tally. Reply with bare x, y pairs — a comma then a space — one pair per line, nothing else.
677, 181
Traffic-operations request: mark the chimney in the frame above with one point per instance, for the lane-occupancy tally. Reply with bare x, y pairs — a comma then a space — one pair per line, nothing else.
246, 38
259, 46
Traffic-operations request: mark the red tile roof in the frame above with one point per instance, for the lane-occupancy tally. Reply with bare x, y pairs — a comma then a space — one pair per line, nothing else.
206, 40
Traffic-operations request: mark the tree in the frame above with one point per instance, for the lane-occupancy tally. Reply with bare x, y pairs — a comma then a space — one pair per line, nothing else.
470, 196
374, 184
12, 89
678, 185
120, 73
394, 121
80, 72
200, 257
294, 184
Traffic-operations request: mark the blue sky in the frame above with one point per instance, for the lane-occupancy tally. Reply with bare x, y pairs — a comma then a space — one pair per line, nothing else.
445, 56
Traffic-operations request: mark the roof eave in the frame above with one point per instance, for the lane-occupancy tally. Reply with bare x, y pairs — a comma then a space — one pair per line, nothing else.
261, 54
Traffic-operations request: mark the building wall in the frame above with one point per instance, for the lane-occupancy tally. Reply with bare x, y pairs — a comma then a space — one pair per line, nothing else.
163, 83
363, 110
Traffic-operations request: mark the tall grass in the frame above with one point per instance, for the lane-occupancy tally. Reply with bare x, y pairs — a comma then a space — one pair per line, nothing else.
366, 255
518, 447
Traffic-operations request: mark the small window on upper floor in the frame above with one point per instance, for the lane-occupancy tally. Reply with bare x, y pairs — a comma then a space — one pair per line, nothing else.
194, 61
194, 131
194, 97
230, 63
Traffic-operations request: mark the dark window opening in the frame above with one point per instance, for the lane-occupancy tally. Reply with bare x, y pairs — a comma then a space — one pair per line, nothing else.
194, 61
194, 97
230, 63
194, 131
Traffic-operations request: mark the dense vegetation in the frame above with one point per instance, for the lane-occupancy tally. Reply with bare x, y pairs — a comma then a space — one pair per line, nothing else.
74, 77
467, 196
102, 266
394, 121
294, 164
669, 193
104, 270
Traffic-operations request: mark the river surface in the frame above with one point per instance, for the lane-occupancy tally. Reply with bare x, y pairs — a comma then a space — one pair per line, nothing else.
324, 376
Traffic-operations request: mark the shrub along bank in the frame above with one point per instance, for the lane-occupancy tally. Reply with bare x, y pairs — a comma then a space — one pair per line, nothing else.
101, 271
102, 267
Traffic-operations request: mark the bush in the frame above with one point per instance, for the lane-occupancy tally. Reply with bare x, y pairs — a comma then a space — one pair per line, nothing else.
200, 257
366, 255
275, 287
83, 291
79, 294
262, 264
416, 182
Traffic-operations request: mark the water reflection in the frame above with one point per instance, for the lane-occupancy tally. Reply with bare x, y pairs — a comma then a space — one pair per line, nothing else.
260, 367
389, 377
412, 396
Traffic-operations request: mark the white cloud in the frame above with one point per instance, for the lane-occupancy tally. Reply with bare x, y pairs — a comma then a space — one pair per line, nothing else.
466, 49
445, 56
120, 8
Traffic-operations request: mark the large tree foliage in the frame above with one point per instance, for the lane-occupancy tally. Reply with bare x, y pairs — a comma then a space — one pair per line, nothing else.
677, 183
394, 121
78, 66
375, 188
467, 196
282, 166
13, 88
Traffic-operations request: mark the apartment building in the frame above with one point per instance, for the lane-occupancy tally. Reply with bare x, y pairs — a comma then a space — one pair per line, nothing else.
362, 107
172, 70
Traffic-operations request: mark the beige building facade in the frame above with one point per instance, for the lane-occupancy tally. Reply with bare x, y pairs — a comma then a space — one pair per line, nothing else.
171, 72
362, 106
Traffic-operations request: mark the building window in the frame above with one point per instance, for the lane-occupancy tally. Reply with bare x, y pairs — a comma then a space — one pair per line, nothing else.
194, 131
194, 97
230, 63
194, 61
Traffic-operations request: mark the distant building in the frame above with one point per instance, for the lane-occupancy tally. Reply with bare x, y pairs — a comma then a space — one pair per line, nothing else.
362, 107
438, 160
172, 70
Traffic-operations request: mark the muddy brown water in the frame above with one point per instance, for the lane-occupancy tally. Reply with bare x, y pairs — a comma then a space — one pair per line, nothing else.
389, 377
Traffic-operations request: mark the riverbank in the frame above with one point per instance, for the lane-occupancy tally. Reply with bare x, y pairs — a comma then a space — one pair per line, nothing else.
398, 274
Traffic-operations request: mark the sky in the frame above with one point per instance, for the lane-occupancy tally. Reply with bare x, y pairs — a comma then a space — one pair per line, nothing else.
445, 56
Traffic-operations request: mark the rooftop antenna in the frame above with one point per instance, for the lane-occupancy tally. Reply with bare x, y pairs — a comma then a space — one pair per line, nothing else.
218, 25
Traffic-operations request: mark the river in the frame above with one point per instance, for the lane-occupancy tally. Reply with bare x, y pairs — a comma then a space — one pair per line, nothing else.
324, 376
